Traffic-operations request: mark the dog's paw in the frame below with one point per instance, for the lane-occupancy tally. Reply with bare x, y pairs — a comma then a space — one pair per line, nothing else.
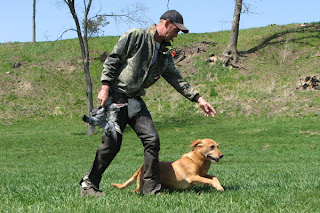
136, 191
220, 189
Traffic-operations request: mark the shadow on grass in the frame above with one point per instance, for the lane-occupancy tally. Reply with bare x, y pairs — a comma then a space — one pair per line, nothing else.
79, 133
313, 27
203, 189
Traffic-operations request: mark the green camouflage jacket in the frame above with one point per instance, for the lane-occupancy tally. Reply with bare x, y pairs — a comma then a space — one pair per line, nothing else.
128, 68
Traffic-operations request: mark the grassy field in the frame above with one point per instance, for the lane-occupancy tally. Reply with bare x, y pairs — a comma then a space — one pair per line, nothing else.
266, 126
50, 80
270, 165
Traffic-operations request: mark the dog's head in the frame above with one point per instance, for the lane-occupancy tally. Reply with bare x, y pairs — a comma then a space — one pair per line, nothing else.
208, 148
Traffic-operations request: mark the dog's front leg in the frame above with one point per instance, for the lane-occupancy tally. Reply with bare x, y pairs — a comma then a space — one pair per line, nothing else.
211, 180
217, 184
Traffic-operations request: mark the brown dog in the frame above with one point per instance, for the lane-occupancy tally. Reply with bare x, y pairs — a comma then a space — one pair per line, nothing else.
189, 170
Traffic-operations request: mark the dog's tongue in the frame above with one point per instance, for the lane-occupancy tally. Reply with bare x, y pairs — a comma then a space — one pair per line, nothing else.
212, 159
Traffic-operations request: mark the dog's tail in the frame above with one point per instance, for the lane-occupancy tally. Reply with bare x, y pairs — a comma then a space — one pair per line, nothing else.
131, 180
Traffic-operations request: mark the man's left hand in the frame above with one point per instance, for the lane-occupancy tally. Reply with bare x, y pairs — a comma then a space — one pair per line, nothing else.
206, 107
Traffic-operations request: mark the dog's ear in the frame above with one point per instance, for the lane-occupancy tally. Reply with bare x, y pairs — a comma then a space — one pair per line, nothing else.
195, 143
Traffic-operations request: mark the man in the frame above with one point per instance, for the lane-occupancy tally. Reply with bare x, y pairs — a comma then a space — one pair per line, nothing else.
137, 61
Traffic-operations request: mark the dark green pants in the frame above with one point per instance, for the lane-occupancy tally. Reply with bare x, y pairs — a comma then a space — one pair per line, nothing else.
143, 125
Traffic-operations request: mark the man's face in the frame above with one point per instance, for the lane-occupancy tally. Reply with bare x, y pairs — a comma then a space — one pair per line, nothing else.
171, 32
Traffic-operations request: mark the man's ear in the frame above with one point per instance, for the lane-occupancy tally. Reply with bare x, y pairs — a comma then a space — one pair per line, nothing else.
167, 22
196, 143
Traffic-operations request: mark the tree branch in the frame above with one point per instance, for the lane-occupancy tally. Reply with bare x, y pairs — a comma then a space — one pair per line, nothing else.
63, 34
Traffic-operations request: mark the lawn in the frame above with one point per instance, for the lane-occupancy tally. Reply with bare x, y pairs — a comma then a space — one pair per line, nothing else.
267, 127
269, 165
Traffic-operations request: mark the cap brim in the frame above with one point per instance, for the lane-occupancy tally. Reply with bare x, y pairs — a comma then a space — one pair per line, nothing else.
182, 27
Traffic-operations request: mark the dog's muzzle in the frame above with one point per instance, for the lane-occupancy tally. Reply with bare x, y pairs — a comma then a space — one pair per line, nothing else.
214, 159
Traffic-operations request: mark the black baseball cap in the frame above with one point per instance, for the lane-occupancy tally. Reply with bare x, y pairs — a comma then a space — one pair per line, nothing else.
175, 17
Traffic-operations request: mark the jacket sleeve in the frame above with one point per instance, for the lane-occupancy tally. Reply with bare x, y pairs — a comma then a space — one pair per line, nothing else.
174, 78
117, 58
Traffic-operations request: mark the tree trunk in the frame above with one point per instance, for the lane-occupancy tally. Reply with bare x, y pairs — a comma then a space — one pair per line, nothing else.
231, 52
34, 22
85, 57
91, 128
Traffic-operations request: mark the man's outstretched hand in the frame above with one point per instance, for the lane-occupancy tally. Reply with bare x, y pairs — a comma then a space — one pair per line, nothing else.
206, 107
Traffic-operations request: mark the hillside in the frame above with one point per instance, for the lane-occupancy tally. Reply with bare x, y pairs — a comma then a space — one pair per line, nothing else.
46, 78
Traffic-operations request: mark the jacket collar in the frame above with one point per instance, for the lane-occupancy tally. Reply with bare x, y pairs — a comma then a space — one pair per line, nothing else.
153, 31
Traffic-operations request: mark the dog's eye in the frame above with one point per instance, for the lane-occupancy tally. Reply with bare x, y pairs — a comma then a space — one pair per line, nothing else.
213, 147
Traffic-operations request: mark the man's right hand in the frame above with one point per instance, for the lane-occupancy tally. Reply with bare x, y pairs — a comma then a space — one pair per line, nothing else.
103, 95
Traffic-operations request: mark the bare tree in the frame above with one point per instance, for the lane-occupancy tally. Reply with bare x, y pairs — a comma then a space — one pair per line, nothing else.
231, 53
83, 41
91, 26
34, 22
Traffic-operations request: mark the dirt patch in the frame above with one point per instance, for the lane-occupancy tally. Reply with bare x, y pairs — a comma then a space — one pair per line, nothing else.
183, 54
309, 83
212, 59
23, 87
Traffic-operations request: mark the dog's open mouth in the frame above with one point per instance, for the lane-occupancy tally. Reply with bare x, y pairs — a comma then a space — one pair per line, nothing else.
213, 159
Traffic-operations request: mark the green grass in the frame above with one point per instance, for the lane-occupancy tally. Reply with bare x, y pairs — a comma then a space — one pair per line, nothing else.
270, 165
274, 59
267, 129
